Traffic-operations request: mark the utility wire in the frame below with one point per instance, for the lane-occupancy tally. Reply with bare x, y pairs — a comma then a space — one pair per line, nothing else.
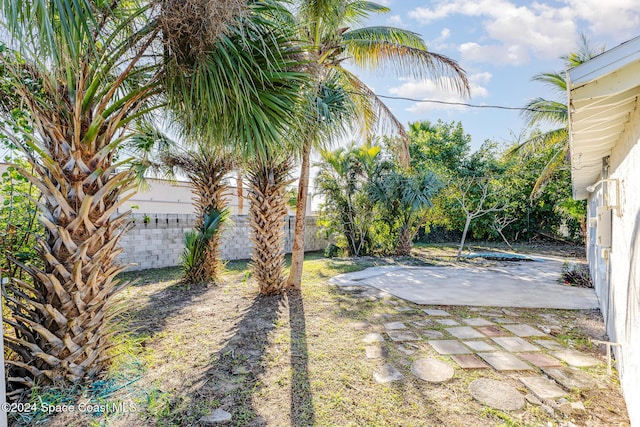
464, 104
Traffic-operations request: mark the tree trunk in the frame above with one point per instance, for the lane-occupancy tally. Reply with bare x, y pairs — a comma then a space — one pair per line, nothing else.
240, 192
405, 242
267, 211
62, 328
464, 236
294, 280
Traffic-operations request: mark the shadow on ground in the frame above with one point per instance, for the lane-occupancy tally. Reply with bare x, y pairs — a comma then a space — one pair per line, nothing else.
234, 378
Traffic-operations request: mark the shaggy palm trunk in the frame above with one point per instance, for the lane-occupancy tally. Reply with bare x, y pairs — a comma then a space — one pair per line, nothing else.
267, 211
405, 241
205, 168
61, 324
209, 195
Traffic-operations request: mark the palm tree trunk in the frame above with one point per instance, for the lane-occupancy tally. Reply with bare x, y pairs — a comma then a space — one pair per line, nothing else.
294, 280
240, 192
267, 212
62, 323
405, 241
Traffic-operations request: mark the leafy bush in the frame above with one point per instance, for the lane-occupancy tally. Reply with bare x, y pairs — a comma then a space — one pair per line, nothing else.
19, 226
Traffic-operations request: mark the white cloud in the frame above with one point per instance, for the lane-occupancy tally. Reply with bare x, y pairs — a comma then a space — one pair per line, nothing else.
618, 17
515, 34
431, 90
395, 20
497, 54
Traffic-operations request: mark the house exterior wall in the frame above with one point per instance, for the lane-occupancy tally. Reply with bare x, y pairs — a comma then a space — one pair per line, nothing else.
156, 240
617, 280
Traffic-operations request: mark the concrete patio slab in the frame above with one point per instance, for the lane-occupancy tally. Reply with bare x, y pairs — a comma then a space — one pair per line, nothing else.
477, 321
449, 347
540, 360
447, 322
469, 361
504, 361
465, 332
550, 344
375, 352
571, 378
480, 346
491, 331
543, 388
523, 330
391, 326
402, 335
432, 334
515, 344
496, 394
576, 358
436, 312
530, 284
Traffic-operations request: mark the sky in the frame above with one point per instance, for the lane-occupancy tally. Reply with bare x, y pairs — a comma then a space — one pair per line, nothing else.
501, 44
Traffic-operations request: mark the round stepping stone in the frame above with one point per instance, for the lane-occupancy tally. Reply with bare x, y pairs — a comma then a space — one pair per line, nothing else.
496, 394
432, 370
218, 416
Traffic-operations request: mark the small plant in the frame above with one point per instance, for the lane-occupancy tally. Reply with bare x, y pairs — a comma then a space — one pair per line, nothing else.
194, 257
332, 251
577, 275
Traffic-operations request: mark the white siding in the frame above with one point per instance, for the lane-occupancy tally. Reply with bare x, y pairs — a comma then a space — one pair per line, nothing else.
617, 281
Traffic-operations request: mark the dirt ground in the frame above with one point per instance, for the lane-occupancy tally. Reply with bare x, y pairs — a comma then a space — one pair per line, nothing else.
298, 359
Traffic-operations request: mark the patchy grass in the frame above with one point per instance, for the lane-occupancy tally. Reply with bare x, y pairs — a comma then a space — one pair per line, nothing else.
298, 359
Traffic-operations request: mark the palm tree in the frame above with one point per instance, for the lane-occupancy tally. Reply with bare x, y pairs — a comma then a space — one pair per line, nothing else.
326, 29
205, 166
81, 77
405, 197
554, 113
268, 180
342, 180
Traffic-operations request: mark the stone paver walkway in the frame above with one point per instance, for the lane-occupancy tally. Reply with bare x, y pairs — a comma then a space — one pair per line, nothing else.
504, 345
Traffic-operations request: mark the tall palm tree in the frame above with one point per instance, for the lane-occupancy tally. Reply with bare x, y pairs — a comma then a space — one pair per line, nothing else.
85, 71
268, 180
329, 33
554, 113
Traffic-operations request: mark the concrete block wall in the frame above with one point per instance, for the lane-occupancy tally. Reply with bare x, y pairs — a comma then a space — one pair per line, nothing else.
156, 240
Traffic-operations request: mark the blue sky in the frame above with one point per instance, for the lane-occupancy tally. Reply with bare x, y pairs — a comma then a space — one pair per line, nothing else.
501, 44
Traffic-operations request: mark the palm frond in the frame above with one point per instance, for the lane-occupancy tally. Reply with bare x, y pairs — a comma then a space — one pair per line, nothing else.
374, 112
555, 138
404, 52
245, 85
356, 11
540, 110
558, 159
